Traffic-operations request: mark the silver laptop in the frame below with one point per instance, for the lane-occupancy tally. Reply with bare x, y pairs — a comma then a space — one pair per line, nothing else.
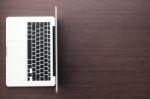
31, 51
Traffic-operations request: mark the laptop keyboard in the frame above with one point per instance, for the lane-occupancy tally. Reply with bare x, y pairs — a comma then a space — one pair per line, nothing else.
38, 51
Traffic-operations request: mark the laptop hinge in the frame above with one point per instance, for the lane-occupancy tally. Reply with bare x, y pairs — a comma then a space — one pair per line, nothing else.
54, 53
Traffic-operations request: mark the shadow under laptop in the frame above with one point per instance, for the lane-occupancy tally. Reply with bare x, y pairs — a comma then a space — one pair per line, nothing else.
64, 63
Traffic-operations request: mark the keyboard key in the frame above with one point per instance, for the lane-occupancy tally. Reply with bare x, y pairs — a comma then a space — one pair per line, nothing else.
41, 70
33, 45
42, 78
29, 61
37, 67
41, 58
29, 32
46, 68
42, 62
33, 33
29, 23
41, 24
49, 78
33, 37
29, 66
41, 38
37, 76
33, 53
45, 23
33, 26
48, 23
45, 48
41, 74
46, 77
45, 60
37, 39
29, 49
29, 74
37, 63
46, 64
41, 50
29, 37
33, 76
37, 71
48, 32
37, 24
33, 65
48, 36
33, 69
37, 59
33, 61
37, 34
45, 28
37, 51
29, 27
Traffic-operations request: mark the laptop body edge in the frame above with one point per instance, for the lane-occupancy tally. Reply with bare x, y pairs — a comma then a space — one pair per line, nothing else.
16, 52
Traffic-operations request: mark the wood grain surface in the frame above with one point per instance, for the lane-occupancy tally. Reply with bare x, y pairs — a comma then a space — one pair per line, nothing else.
104, 48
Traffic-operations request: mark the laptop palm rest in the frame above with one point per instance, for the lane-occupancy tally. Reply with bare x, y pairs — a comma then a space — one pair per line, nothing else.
19, 47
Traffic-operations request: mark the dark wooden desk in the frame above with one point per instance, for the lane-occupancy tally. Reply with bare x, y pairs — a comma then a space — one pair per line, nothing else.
104, 48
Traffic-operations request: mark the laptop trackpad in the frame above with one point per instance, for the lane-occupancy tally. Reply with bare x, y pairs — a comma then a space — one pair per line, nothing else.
16, 51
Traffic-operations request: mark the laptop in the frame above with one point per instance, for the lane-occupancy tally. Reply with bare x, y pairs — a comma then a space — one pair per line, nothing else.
31, 51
